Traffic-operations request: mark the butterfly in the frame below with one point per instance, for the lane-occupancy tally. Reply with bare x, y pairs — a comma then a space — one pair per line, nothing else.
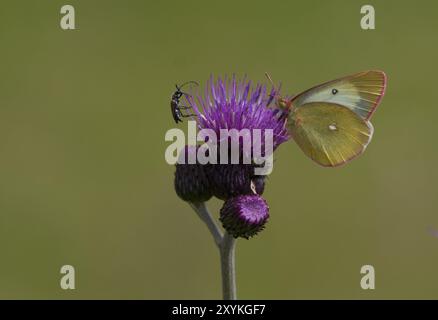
331, 122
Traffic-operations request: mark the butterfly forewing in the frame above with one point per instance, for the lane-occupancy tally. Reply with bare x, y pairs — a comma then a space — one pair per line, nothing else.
330, 134
360, 92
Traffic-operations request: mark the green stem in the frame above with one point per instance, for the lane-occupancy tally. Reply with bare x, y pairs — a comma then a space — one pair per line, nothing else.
205, 215
228, 267
227, 245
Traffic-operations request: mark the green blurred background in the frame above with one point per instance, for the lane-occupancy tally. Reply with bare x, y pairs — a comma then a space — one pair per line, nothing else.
83, 179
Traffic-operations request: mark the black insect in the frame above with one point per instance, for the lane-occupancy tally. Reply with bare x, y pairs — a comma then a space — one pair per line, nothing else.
174, 103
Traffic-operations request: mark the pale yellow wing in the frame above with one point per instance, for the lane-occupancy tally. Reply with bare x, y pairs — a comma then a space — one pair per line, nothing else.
330, 134
361, 92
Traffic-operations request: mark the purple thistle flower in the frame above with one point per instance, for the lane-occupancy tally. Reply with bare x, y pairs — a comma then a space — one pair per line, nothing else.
234, 105
244, 216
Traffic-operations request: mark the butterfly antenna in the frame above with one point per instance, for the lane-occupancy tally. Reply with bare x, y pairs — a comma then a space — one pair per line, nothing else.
277, 89
270, 79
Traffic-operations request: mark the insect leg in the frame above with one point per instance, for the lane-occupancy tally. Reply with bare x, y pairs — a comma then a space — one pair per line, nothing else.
188, 115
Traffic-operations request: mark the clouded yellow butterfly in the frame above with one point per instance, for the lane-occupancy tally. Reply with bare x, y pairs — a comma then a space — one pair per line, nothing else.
330, 122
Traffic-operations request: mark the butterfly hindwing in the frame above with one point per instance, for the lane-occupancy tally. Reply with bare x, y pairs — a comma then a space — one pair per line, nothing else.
360, 92
329, 133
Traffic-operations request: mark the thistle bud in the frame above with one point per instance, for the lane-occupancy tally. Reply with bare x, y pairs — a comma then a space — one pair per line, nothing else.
244, 216
191, 183
231, 180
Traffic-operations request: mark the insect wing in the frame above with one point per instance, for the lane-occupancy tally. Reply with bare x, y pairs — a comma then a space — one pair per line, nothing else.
329, 133
361, 92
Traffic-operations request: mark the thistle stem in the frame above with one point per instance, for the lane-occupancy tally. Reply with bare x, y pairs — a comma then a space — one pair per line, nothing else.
228, 266
227, 245
205, 215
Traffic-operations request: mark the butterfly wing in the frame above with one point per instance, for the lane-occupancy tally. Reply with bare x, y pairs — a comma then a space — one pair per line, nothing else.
360, 92
330, 134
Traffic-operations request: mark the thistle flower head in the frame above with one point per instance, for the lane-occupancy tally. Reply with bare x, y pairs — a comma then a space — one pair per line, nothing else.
232, 104
244, 216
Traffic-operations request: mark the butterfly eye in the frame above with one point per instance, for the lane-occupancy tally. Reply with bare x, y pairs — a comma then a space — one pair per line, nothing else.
335, 91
